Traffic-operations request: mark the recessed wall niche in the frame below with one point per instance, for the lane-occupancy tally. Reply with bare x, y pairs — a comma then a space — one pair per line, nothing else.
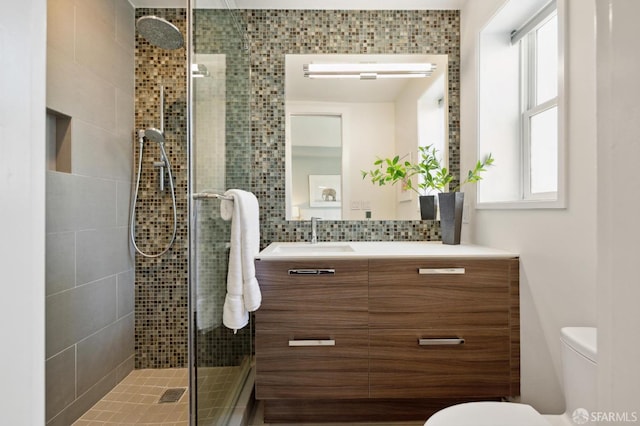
58, 140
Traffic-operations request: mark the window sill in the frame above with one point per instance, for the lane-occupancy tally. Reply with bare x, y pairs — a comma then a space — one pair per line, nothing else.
522, 205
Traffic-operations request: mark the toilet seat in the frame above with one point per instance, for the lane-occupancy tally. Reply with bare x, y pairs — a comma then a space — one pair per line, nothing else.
488, 414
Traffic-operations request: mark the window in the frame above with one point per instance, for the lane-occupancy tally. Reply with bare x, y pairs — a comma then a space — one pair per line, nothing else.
521, 106
539, 115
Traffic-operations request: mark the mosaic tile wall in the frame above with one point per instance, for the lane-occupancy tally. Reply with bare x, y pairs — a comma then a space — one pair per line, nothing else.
255, 159
215, 33
274, 33
161, 284
161, 291
216, 345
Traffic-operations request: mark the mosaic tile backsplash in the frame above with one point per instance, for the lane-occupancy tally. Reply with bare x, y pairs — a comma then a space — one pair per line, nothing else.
255, 150
274, 33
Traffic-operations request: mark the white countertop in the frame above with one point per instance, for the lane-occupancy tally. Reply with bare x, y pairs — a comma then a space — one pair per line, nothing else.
378, 249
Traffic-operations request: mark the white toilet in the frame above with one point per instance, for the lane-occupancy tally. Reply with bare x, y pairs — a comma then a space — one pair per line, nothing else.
579, 374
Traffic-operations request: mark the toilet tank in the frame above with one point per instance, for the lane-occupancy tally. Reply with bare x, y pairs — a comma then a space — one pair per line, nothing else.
579, 358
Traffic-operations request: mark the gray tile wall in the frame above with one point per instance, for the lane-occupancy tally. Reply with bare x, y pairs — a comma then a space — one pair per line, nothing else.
89, 268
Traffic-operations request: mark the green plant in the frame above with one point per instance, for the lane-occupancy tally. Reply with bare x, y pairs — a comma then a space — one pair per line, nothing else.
474, 174
433, 175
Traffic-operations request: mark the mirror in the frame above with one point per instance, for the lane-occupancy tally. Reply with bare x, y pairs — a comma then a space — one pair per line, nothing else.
337, 127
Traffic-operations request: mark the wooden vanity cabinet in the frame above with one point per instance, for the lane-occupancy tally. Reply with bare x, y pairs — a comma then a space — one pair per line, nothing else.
410, 335
441, 327
312, 330
415, 293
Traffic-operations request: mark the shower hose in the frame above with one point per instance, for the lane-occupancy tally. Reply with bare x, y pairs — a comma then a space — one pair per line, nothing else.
135, 200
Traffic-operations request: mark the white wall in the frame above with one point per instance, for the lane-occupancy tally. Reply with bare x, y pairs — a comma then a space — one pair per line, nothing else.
619, 202
371, 135
420, 121
406, 137
22, 186
557, 247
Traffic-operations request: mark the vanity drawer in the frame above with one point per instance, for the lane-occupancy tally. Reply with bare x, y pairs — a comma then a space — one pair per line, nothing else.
434, 364
439, 293
294, 298
316, 363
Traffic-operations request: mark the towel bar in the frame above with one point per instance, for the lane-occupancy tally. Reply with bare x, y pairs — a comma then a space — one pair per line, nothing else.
205, 195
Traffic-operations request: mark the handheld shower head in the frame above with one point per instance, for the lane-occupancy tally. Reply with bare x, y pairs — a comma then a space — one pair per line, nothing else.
160, 32
154, 135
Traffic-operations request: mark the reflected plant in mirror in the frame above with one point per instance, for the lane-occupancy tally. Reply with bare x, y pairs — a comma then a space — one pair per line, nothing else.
336, 127
432, 176
425, 177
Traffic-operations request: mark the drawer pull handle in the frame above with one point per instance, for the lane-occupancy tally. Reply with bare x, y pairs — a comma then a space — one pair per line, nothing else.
312, 271
440, 342
441, 271
328, 342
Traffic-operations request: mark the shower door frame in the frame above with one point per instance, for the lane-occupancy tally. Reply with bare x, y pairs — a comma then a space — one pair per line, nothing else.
191, 339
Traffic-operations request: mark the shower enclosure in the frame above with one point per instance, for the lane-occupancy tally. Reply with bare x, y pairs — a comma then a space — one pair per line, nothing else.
219, 157
198, 116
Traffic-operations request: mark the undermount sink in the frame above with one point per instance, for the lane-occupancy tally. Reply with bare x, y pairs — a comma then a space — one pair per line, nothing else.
312, 248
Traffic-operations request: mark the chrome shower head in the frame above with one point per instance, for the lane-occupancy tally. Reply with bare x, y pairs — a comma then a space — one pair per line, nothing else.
160, 32
154, 135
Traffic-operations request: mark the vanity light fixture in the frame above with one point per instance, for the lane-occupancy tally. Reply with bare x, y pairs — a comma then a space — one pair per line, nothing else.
368, 71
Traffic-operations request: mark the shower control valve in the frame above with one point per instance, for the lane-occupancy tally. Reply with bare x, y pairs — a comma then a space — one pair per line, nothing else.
161, 165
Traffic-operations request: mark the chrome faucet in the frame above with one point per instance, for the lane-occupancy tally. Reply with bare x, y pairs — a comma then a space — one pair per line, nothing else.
314, 229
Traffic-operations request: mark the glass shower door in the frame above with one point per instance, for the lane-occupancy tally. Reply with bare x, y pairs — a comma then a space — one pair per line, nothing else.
219, 158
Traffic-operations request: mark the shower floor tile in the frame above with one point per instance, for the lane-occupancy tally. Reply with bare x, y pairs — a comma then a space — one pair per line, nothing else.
134, 401
214, 385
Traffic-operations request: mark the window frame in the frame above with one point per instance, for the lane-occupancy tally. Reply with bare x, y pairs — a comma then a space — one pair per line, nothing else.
512, 13
529, 103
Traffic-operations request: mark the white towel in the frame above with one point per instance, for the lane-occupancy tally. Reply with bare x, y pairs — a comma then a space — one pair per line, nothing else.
243, 291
